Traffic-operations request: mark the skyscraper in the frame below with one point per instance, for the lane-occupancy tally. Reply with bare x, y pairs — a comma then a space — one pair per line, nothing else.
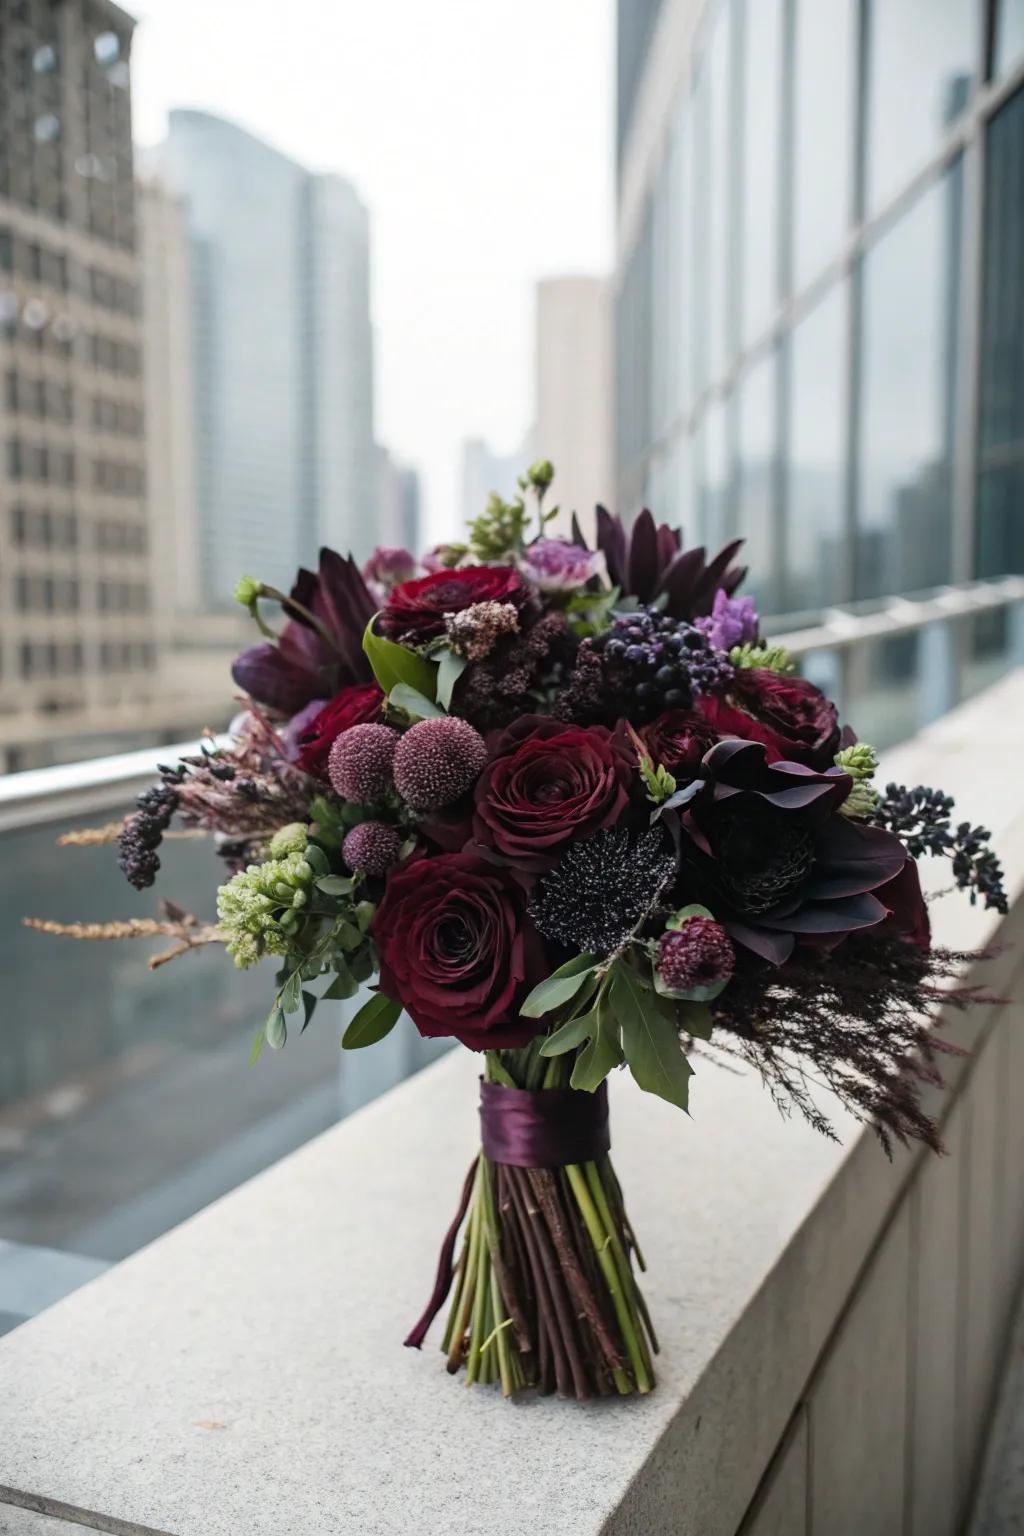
574, 394
76, 639
282, 354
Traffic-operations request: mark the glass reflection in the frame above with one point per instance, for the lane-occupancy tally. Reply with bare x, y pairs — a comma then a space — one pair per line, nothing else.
1008, 40
762, 80
825, 55
908, 397
713, 509
756, 480
920, 78
815, 559
720, 184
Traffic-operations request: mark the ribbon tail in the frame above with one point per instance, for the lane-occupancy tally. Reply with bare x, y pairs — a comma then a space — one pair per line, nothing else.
443, 1281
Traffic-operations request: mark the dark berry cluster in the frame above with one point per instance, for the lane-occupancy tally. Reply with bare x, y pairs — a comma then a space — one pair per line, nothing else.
143, 832
652, 662
922, 819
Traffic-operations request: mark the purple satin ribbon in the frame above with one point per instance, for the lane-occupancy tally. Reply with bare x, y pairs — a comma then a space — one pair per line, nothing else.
548, 1129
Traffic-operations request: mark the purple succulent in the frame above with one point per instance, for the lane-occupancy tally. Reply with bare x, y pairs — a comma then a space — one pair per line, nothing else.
320, 649
555, 566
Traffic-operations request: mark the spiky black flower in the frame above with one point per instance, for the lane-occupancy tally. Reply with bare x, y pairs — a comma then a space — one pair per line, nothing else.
601, 889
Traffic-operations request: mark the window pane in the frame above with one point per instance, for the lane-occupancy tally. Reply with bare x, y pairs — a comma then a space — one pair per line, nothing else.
1008, 48
826, 52
816, 465
1000, 516
762, 79
755, 481
908, 397
919, 80
720, 184
713, 479
683, 245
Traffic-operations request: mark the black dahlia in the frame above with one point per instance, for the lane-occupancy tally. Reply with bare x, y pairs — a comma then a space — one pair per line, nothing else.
600, 890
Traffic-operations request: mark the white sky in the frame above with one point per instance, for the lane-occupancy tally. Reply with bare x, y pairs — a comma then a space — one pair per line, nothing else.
479, 133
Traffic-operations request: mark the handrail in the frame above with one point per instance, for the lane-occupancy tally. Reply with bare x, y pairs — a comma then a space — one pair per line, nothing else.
43, 795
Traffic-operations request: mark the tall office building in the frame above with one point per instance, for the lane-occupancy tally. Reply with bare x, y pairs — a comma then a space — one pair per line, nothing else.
483, 471
282, 354
76, 638
573, 391
398, 503
819, 329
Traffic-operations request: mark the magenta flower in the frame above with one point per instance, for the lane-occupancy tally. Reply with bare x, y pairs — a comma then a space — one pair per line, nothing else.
555, 566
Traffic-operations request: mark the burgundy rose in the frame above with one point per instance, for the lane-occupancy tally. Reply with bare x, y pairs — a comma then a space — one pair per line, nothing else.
776, 863
794, 720
415, 611
352, 706
908, 912
547, 785
458, 951
678, 740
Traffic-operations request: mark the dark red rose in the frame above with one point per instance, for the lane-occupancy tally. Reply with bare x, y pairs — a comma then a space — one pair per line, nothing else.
678, 740
778, 865
415, 611
458, 951
547, 785
352, 706
794, 720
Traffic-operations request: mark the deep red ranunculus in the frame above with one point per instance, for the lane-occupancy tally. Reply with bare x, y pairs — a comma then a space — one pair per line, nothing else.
547, 785
679, 739
458, 951
415, 611
794, 720
352, 706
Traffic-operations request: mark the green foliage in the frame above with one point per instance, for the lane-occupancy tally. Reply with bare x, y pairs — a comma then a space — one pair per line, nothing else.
559, 987
603, 1050
500, 531
259, 908
650, 1037
415, 704
860, 762
768, 658
375, 1019
450, 667
394, 664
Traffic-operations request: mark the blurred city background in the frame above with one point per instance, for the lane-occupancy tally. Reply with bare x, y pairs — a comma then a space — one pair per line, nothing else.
271, 279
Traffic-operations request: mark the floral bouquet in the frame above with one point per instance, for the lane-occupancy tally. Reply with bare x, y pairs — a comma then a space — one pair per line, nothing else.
570, 807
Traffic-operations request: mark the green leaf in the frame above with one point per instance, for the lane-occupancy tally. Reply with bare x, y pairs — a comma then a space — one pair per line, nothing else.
309, 1001
650, 1039
695, 1018
499, 1073
450, 668
289, 998
344, 984
404, 696
393, 664
348, 936
317, 859
365, 912
362, 963
374, 1020
559, 987
582, 1028
335, 885
275, 1029
601, 1054
685, 913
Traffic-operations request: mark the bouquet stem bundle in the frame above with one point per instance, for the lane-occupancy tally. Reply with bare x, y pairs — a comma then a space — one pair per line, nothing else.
544, 1291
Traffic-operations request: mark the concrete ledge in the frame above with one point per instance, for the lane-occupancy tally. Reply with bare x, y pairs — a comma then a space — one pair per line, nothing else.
245, 1372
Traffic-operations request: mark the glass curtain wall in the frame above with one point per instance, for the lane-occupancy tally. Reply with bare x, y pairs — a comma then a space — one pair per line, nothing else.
802, 343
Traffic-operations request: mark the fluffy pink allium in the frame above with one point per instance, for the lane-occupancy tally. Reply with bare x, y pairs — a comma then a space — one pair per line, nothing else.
360, 764
373, 847
556, 566
699, 954
437, 761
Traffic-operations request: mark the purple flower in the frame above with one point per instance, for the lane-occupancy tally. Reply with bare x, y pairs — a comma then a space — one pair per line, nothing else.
555, 566
291, 733
732, 621
387, 567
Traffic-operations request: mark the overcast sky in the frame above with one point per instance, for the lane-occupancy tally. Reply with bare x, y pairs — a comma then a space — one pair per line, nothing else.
479, 133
